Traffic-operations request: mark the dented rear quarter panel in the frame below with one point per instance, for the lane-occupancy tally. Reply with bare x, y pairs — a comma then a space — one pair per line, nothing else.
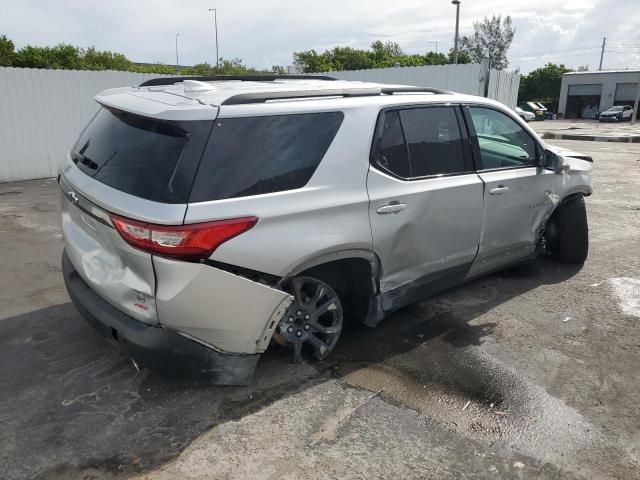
224, 311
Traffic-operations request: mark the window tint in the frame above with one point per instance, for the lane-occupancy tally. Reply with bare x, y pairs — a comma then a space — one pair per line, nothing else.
391, 154
503, 142
134, 154
433, 136
255, 155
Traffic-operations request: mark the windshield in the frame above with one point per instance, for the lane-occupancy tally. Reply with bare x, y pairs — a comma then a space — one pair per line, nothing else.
615, 109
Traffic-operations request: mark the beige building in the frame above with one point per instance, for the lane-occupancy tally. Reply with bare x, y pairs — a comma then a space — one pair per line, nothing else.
586, 94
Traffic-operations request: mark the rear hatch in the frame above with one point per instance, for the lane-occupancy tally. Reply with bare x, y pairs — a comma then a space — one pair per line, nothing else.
133, 166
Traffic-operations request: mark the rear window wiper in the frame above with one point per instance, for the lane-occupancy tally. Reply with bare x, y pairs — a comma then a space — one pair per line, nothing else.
84, 160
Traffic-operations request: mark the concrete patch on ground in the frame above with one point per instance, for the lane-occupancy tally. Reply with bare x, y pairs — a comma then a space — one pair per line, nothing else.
628, 292
478, 396
368, 438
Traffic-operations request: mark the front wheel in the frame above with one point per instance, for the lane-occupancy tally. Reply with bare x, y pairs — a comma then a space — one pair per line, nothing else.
568, 232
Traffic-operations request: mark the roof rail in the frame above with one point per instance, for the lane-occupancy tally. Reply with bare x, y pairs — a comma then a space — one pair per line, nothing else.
262, 97
392, 90
245, 78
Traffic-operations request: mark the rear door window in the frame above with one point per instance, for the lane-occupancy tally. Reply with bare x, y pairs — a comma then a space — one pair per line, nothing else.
433, 136
391, 153
134, 154
256, 155
413, 143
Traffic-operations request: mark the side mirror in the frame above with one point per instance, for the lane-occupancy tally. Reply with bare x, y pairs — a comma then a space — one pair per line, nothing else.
554, 162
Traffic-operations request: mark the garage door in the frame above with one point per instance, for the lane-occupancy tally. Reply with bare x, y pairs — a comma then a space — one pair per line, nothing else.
626, 92
583, 101
584, 90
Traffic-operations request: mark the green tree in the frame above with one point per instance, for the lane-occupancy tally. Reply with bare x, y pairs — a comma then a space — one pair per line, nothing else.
92, 59
543, 85
7, 51
433, 58
463, 56
380, 55
385, 53
61, 56
64, 56
310, 61
491, 39
347, 58
225, 66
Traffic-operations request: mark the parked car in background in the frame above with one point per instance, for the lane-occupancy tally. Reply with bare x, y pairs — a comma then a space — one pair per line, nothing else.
526, 116
617, 113
548, 114
204, 220
533, 108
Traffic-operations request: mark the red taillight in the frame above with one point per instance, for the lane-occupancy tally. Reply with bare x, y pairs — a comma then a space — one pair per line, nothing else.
195, 241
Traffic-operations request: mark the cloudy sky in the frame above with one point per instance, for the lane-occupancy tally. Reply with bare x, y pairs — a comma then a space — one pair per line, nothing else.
264, 33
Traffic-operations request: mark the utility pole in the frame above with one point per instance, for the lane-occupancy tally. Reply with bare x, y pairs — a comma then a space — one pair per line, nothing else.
215, 27
177, 62
436, 44
455, 43
635, 105
604, 44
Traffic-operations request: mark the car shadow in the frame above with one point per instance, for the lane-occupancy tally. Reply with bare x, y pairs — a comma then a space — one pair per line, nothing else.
73, 401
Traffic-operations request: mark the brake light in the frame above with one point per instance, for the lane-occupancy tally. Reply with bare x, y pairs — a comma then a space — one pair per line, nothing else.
195, 241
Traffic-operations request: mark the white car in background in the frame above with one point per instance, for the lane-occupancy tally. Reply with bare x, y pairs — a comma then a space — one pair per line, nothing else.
523, 114
617, 113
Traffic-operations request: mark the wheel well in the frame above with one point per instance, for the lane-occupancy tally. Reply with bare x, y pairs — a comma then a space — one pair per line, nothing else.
352, 280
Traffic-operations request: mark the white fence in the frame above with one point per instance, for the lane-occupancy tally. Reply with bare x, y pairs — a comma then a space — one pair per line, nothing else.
471, 78
43, 111
504, 86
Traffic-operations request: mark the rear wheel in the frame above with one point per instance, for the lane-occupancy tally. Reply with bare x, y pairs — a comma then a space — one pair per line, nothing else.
568, 232
314, 319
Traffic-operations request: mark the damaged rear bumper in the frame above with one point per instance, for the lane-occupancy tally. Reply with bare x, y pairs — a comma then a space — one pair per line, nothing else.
160, 349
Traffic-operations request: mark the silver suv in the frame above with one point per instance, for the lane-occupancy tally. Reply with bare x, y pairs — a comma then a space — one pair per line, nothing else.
207, 218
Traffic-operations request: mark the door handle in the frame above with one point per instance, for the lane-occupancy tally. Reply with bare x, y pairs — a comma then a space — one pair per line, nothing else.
393, 207
499, 190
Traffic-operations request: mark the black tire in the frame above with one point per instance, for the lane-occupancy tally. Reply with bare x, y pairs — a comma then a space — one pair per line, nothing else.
568, 232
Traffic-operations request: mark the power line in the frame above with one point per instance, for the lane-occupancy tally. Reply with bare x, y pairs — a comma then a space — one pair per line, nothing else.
543, 52
534, 57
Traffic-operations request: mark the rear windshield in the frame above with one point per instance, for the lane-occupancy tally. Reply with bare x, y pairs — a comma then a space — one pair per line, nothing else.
133, 154
256, 155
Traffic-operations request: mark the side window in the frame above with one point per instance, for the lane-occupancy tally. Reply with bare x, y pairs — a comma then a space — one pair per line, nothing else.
391, 152
503, 142
433, 136
256, 155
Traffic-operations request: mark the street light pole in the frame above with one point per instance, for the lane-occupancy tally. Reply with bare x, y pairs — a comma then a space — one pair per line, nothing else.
177, 61
455, 43
436, 44
215, 26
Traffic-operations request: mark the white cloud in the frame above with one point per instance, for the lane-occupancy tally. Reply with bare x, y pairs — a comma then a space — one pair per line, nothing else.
265, 33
